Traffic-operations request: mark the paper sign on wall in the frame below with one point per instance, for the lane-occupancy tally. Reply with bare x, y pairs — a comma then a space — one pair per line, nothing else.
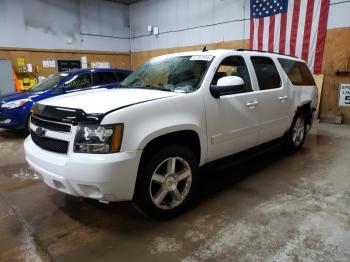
49, 63
84, 63
20, 61
344, 95
46, 63
100, 65
52, 63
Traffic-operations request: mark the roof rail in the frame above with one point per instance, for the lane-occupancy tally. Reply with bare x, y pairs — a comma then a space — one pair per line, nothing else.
260, 51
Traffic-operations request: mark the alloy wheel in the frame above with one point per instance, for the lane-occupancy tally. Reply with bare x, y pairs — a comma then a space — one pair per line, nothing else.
298, 131
170, 183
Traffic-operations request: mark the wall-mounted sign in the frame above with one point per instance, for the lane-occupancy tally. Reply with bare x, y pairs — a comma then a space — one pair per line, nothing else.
46, 63
344, 95
20, 61
100, 65
49, 63
66, 65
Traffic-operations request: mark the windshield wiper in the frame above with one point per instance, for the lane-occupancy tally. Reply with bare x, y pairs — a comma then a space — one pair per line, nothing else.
151, 87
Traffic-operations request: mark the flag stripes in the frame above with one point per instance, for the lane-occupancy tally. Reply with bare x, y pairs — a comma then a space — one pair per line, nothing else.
292, 27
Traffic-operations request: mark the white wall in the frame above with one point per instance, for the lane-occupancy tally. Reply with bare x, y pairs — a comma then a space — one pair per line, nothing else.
195, 22
339, 11
104, 26
48, 23
188, 22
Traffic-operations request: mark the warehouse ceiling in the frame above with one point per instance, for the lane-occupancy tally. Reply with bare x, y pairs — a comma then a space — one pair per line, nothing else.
128, 2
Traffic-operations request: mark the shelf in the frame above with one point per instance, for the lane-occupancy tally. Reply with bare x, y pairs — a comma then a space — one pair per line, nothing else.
339, 72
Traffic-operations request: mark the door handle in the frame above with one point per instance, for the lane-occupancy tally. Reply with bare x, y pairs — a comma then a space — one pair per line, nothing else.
252, 104
282, 98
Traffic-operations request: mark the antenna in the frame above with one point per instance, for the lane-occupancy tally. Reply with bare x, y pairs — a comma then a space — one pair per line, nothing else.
204, 49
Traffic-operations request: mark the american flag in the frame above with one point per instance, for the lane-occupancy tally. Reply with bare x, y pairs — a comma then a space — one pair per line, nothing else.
291, 27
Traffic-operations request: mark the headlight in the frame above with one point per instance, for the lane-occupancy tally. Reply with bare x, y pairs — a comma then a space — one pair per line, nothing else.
98, 139
14, 104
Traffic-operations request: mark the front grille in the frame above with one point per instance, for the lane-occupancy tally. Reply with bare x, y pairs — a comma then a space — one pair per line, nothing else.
50, 125
50, 144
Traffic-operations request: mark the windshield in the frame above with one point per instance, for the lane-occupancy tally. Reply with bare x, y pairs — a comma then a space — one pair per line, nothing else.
182, 74
48, 83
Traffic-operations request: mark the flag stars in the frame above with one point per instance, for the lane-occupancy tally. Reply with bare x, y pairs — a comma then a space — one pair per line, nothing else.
265, 8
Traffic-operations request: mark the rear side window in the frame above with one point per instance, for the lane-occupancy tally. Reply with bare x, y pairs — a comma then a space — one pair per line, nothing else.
79, 81
298, 72
120, 76
104, 78
266, 73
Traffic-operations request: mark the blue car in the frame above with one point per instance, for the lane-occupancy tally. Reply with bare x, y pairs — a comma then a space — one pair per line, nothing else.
15, 109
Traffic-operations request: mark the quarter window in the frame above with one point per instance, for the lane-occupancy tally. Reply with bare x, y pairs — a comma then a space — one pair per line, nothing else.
80, 81
120, 76
266, 73
234, 66
104, 78
298, 72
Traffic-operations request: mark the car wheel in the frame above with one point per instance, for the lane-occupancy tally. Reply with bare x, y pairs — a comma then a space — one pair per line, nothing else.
167, 182
297, 132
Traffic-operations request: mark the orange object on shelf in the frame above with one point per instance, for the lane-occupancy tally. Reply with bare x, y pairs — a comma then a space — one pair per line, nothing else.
16, 82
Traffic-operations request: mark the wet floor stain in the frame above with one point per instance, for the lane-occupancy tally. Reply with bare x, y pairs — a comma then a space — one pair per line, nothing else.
25, 174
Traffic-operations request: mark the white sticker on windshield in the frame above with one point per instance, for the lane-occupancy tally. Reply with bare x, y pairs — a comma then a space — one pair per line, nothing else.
201, 58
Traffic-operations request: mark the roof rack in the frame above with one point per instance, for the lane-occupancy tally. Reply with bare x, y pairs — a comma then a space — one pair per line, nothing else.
260, 51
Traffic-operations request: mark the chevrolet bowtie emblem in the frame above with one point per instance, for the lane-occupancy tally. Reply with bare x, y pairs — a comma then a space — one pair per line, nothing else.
40, 131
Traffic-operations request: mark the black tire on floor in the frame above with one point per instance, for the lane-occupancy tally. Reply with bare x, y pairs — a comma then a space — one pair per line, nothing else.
296, 135
149, 185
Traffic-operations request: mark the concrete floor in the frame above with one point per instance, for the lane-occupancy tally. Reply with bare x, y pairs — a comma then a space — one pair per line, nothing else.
271, 207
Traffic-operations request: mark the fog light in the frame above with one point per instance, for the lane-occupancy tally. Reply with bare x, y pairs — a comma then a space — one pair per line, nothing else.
6, 121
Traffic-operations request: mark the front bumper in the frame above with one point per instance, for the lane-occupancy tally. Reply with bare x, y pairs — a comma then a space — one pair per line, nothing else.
12, 118
105, 177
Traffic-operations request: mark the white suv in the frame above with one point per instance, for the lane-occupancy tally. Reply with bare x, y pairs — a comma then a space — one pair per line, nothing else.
145, 140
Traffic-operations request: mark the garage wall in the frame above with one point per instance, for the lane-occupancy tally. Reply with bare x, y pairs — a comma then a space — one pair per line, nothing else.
65, 24
184, 23
35, 57
336, 57
190, 24
187, 22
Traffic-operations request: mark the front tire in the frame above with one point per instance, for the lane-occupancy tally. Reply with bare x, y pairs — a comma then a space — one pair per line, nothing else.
296, 135
167, 182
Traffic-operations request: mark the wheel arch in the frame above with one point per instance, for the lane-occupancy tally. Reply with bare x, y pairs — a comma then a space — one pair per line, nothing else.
307, 110
187, 138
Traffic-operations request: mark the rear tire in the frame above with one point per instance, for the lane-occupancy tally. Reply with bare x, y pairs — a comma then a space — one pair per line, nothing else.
296, 135
167, 182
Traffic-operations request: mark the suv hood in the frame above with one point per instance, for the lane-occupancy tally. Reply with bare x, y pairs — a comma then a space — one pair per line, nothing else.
103, 101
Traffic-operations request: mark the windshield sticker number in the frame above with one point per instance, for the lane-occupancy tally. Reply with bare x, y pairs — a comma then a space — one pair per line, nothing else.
201, 58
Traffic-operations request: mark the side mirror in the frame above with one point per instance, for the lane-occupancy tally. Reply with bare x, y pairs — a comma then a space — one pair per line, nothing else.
65, 88
227, 85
